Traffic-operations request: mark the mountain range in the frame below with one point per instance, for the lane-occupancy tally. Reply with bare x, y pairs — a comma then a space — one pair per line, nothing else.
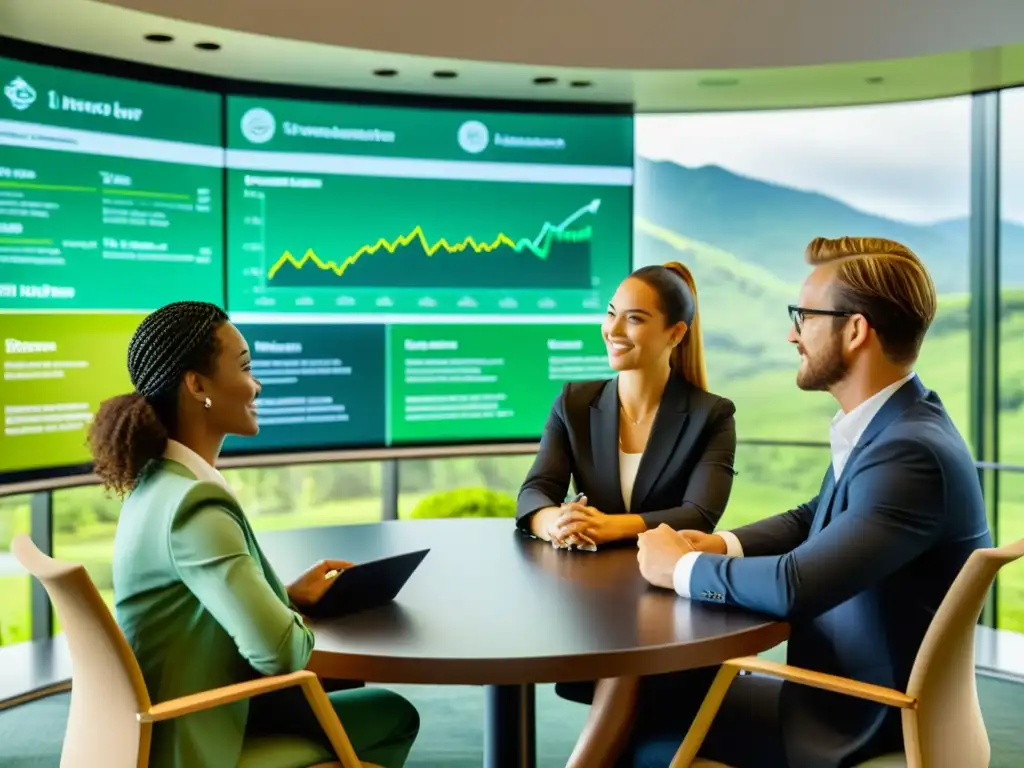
769, 225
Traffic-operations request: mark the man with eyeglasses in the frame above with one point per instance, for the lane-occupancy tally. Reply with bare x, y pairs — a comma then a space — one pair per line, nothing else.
859, 570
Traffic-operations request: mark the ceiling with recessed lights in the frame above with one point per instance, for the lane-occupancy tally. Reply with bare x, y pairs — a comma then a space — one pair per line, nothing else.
659, 56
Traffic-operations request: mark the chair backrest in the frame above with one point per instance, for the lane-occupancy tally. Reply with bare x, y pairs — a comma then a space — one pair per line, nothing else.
107, 688
950, 727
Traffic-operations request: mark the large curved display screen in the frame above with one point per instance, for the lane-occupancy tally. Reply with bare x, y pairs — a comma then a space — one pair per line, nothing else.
404, 275
111, 195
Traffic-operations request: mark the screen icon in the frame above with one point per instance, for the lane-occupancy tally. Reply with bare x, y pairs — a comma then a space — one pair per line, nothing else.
258, 125
473, 136
20, 94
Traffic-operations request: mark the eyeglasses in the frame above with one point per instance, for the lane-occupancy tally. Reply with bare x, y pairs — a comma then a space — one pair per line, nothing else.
798, 314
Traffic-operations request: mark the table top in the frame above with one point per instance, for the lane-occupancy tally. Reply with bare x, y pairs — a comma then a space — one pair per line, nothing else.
490, 606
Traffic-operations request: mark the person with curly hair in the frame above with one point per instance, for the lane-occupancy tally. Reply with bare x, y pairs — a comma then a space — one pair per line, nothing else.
198, 602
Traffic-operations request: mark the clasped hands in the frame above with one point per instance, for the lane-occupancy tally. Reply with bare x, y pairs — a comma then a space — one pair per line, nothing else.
582, 525
660, 549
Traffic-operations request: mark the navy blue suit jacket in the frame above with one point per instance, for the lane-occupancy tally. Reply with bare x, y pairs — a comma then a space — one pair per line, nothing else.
859, 572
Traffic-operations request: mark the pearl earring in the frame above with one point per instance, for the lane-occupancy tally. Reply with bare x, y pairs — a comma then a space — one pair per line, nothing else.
207, 403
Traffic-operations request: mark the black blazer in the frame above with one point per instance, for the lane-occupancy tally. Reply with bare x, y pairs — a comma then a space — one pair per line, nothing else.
685, 475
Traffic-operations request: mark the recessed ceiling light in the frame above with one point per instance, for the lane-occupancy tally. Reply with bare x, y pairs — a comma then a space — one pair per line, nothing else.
208, 46
385, 72
446, 74
155, 38
544, 80
580, 84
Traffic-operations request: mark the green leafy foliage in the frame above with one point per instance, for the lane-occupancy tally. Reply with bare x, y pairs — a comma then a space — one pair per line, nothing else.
465, 502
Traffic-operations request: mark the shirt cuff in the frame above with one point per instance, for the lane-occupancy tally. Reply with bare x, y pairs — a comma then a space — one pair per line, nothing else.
733, 548
681, 574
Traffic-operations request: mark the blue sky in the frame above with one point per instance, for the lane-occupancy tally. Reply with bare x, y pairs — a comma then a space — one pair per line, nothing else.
906, 161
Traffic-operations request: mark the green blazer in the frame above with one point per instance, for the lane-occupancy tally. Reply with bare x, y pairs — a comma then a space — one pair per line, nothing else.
200, 605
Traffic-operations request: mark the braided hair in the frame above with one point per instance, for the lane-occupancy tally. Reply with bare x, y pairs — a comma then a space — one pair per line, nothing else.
131, 430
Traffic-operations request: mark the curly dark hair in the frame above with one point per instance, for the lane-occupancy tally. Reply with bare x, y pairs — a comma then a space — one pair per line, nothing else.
129, 431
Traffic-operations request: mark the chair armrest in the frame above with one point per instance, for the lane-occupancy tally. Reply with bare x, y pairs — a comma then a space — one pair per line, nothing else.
701, 724
186, 705
876, 693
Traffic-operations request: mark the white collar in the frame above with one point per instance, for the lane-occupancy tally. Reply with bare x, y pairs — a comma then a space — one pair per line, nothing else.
195, 463
850, 426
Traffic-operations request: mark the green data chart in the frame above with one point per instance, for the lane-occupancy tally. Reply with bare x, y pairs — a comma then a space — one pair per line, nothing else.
372, 210
57, 369
110, 192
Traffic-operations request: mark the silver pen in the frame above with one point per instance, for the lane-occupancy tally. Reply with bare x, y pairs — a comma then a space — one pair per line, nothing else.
568, 542
572, 541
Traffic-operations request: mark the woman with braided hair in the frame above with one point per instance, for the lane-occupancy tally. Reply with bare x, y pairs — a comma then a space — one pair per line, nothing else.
199, 604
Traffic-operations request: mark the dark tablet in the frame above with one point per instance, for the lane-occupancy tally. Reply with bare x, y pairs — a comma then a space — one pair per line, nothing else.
367, 585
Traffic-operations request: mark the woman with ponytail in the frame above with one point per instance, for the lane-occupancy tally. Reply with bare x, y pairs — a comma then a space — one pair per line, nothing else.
197, 601
649, 447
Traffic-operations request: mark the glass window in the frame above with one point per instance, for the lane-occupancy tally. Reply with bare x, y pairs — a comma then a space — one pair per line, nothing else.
84, 521
309, 495
1010, 612
487, 481
771, 479
15, 584
738, 196
1010, 587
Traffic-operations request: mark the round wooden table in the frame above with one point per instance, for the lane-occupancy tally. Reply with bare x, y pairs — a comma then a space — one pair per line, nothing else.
489, 606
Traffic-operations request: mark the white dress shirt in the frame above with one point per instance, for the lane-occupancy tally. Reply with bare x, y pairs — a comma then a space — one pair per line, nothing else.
629, 463
844, 433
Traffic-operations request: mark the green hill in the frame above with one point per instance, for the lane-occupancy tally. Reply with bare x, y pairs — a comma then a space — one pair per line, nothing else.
770, 224
745, 322
743, 307
745, 325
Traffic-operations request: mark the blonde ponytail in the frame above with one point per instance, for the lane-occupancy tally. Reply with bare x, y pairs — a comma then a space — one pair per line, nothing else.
687, 358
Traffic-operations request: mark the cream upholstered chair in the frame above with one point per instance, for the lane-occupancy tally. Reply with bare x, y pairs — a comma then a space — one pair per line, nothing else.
942, 722
111, 713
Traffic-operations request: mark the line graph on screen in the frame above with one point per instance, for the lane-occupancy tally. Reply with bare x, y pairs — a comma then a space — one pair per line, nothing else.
557, 256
